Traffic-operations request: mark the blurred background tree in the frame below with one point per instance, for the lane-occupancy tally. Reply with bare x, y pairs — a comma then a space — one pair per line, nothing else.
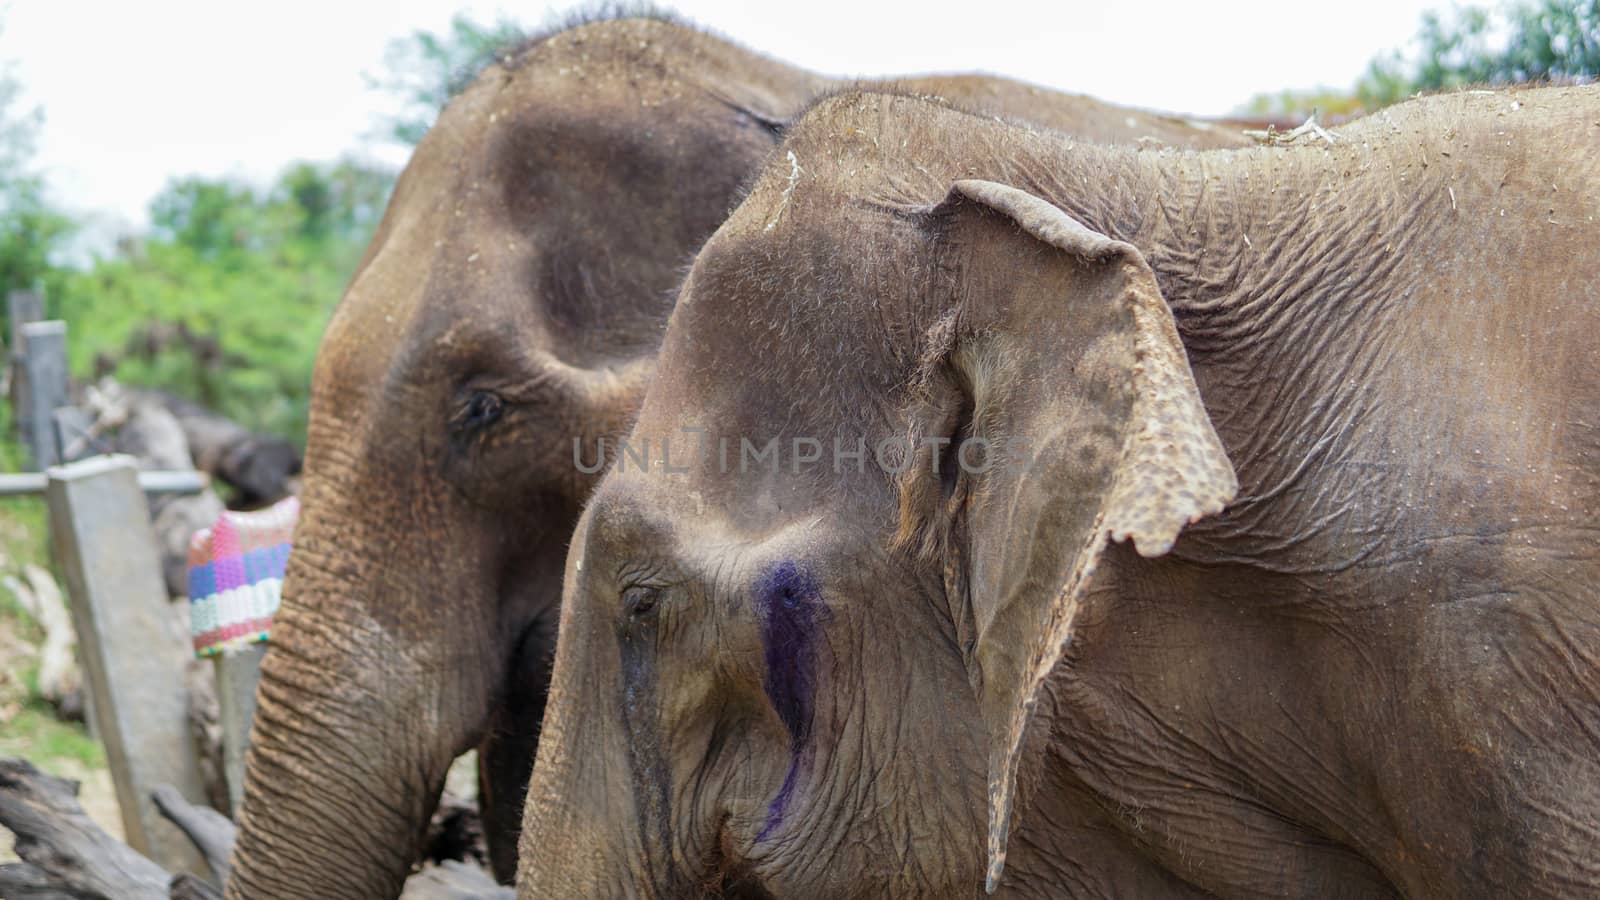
424, 70
222, 299
225, 298
1526, 40
31, 231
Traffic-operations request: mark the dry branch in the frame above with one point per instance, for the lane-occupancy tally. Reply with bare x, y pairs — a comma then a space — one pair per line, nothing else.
211, 832
60, 680
20, 881
188, 887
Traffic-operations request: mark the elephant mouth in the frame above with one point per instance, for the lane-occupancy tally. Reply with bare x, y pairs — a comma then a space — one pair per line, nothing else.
738, 879
745, 887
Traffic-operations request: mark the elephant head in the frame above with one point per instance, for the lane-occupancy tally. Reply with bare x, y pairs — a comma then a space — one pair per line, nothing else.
807, 617
510, 304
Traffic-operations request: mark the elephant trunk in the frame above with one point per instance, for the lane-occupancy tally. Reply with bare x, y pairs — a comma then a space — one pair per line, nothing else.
352, 738
337, 823
581, 833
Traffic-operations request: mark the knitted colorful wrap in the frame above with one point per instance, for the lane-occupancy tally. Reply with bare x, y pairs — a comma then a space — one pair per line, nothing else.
236, 576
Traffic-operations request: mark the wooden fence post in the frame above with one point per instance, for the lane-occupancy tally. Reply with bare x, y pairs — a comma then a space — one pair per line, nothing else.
44, 345
132, 654
237, 672
22, 307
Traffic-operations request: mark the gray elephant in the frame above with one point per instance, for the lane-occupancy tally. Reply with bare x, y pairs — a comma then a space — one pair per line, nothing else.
906, 608
512, 299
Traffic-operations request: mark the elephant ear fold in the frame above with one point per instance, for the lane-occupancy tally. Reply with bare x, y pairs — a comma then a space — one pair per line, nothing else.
1077, 382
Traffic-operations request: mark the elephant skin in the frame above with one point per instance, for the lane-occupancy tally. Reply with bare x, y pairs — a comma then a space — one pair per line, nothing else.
510, 304
1235, 535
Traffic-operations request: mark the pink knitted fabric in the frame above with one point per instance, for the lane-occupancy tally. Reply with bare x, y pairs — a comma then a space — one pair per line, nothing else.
236, 576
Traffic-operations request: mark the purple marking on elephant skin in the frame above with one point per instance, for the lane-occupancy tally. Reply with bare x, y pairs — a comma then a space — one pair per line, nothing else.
792, 612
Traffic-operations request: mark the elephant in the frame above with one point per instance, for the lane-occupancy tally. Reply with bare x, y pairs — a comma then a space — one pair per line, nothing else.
1014, 513
513, 297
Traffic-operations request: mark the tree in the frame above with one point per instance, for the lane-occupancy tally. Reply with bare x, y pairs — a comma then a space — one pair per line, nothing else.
31, 230
341, 202
213, 218
424, 70
225, 300
1526, 40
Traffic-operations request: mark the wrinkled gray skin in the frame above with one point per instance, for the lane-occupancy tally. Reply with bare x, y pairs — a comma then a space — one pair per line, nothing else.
512, 301
1370, 667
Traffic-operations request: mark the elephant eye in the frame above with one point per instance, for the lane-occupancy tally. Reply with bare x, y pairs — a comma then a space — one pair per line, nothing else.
638, 601
482, 410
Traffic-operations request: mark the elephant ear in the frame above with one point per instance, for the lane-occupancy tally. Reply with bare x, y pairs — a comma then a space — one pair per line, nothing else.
1076, 379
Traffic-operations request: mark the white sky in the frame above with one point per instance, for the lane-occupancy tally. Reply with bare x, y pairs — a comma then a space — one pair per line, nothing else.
138, 91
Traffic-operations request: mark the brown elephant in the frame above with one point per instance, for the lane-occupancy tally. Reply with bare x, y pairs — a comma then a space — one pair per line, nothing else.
512, 299
898, 584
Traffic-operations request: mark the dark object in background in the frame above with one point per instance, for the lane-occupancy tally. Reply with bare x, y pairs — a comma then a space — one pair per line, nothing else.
262, 469
456, 833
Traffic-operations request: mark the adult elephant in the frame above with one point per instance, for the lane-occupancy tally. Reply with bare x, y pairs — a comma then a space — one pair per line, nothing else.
511, 301
909, 590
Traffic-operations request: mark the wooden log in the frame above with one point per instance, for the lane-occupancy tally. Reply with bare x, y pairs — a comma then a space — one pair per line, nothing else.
59, 840
263, 468
187, 887
237, 672
133, 656
20, 881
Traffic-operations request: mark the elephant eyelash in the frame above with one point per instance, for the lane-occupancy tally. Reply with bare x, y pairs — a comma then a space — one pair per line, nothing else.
481, 411
641, 600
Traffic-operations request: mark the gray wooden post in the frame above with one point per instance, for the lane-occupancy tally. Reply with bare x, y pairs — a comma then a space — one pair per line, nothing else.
237, 672
132, 654
44, 345
22, 307
190, 481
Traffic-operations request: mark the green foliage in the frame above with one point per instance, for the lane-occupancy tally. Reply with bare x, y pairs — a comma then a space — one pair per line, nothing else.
24, 530
217, 220
35, 733
424, 70
1526, 40
1323, 101
30, 230
226, 300
1549, 39
27, 723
